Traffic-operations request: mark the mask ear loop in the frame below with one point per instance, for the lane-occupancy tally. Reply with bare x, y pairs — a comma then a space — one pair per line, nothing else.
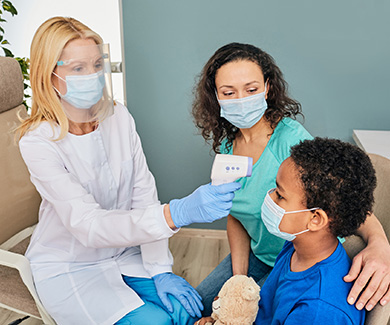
301, 232
306, 230
55, 87
304, 210
216, 95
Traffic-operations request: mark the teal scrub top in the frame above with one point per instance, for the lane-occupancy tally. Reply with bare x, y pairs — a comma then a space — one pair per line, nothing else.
249, 199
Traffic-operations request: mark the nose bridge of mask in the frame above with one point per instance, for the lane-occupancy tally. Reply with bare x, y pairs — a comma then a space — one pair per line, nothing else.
83, 78
275, 208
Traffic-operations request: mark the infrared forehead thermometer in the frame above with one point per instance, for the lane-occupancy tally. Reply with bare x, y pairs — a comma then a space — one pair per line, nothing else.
228, 168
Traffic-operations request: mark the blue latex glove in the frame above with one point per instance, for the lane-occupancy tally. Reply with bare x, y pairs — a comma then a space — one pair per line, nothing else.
169, 283
206, 204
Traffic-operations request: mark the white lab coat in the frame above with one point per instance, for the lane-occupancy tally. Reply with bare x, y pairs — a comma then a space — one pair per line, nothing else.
99, 218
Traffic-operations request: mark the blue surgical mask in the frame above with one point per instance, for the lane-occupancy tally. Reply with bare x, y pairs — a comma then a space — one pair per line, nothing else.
83, 91
244, 112
272, 215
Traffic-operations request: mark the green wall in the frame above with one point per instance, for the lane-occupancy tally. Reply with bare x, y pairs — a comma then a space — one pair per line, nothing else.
335, 56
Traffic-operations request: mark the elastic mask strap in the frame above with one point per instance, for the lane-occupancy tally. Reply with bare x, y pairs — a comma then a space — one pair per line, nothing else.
57, 91
301, 232
216, 95
58, 76
55, 87
301, 210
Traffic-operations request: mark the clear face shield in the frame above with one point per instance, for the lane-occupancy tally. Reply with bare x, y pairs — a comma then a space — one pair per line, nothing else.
83, 83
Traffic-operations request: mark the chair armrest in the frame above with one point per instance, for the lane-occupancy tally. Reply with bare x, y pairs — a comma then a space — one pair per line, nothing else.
17, 238
13, 260
22, 264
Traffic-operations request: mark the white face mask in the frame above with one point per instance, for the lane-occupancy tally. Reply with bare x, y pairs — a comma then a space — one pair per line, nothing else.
83, 91
272, 215
244, 112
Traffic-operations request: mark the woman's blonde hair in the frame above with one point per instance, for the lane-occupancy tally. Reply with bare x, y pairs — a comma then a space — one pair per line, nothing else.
46, 48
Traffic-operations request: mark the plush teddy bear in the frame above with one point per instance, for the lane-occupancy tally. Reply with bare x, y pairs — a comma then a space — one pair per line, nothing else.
237, 302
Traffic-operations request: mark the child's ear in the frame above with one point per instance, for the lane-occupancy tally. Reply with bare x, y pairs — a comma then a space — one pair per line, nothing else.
318, 220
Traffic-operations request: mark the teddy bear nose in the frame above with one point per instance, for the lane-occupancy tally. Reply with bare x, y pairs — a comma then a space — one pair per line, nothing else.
216, 298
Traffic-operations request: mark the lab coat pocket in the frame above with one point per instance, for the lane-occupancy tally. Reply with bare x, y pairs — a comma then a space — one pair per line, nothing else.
126, 184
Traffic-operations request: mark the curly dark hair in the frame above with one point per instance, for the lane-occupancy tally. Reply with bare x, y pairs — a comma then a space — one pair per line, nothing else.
339, 178
206, 110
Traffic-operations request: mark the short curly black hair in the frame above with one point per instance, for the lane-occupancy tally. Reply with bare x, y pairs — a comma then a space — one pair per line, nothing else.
339, 178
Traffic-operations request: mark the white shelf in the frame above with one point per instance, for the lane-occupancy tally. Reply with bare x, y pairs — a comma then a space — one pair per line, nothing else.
371, 141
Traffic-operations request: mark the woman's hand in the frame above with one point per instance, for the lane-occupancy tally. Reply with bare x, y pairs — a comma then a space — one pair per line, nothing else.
371, 268
171, 284
204, 321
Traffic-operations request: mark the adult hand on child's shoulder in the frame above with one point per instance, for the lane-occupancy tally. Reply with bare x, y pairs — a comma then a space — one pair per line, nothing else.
371, 271
205, 321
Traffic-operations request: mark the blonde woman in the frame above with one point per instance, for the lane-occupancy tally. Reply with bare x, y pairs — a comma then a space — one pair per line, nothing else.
99, 254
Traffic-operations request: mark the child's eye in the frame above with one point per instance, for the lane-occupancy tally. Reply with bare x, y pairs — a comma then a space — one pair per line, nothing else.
279, 197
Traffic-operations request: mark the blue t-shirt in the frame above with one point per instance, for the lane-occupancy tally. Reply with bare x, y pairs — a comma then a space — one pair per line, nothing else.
317, 295
249, 199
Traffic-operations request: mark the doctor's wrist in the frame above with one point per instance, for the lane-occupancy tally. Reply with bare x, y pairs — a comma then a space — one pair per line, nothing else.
168, 217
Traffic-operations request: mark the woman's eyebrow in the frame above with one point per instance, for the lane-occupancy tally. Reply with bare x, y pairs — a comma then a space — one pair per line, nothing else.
247, 84
252, 82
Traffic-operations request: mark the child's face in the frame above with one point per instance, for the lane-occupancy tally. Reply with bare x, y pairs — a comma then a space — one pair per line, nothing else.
290, 196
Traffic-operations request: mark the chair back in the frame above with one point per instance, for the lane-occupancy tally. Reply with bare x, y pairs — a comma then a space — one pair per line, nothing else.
354, 244
19, 201
382, 191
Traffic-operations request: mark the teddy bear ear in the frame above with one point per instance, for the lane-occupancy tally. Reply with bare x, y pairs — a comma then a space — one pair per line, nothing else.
251, 291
